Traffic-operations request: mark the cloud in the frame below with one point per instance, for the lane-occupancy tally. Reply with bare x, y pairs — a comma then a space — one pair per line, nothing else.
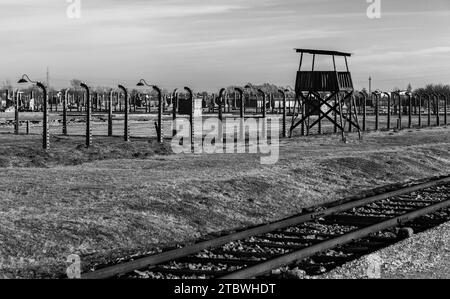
205, 41
253, 41
388, 55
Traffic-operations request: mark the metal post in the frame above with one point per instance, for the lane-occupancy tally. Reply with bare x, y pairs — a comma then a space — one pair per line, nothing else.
221, 98
377, 110
88, 115
65, 99
160, 112
409, 110
70, 101
429, 109
100, 102
363, 104
263, 104
283, 93
146, 103
271, 101
388, 110
415, 105
161, 106
45, 129
241, 95
191, 116
50, 99
58, 102
116, 102
16, 112
420, 109
438, 108
110, 116
7, 94
220, 106
220, 128
264, 107
165, 103
445, 108
400, 110
126, 129
174, 111
289, 106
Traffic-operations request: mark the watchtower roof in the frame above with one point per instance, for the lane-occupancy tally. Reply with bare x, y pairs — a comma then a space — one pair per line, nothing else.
323, 52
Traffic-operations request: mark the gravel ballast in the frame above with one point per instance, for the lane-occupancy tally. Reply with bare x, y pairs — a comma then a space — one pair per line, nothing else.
423, 256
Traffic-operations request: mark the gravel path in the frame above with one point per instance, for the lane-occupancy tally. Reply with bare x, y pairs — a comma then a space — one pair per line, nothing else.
423, 256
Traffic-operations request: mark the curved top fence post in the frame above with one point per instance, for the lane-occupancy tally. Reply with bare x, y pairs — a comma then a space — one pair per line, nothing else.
126, 130
241, 95
88, 114
283, 93
264, 102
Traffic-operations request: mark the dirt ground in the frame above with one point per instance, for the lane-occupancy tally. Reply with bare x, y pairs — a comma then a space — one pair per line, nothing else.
125, 199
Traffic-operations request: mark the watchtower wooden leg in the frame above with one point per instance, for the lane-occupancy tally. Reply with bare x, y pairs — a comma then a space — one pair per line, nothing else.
335, 116
356, 118
302, 108
350, 106
341, 121
297, 105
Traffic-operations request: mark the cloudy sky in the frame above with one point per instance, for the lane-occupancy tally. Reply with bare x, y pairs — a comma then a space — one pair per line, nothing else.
208, 44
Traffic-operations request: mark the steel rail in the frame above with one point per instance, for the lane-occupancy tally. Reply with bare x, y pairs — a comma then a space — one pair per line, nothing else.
265, 267
153, 260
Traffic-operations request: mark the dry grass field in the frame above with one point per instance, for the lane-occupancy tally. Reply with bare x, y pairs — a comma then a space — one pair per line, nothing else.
117, 199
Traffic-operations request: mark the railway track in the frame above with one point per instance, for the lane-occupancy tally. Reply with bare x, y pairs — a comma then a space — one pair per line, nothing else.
314, 242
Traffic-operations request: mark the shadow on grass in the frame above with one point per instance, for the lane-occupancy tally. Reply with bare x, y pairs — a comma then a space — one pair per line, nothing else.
26, 151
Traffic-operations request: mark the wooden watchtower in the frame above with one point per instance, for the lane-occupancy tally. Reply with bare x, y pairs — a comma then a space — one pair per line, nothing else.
316, 90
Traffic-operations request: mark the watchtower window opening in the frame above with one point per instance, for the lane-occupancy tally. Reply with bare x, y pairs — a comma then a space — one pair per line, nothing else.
319, 63
317, 79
